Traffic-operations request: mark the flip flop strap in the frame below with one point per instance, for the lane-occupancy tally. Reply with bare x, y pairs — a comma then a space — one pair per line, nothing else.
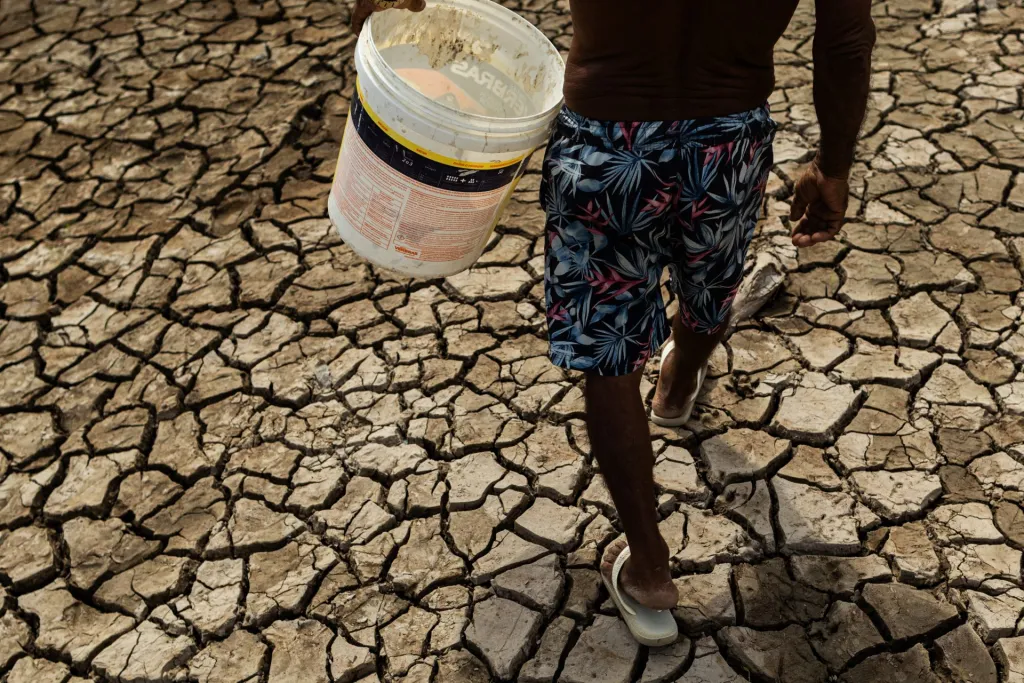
701, 376
667, 349
702, 373
623, 600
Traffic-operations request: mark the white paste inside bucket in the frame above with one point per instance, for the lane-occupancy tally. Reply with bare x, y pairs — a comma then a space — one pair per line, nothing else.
456, 59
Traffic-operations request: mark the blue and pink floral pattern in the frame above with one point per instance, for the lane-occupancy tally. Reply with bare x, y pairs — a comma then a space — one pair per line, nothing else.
626, 200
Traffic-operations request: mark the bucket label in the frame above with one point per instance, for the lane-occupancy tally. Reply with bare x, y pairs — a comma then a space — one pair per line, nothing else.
494, 90
423, 166
411, 203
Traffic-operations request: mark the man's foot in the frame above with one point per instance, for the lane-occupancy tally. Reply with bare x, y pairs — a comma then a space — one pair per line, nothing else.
656, 593
673, 395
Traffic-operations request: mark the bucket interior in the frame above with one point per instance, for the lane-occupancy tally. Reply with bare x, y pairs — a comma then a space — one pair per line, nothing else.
472, 56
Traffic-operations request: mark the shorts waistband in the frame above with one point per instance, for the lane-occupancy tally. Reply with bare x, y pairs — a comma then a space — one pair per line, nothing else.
639, 135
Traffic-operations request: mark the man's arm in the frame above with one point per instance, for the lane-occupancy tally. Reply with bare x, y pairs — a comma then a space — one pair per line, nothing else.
843, 39
364, 8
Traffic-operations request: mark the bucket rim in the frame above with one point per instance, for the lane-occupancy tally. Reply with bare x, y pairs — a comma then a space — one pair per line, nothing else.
435, 110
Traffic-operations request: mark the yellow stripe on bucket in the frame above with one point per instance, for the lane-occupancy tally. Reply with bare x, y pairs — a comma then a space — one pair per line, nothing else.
433, 156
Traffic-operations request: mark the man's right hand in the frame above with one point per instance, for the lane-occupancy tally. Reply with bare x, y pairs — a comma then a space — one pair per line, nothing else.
819, 206
364, 8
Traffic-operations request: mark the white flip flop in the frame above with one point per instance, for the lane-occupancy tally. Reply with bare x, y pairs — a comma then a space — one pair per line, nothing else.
691, 402
650, 627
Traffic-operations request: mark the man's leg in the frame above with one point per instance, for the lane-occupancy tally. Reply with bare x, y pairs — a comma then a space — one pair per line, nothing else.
706, 273
606, 316
678, 378
621, 442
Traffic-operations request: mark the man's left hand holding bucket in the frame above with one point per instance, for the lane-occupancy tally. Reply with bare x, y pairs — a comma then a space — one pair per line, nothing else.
364, 8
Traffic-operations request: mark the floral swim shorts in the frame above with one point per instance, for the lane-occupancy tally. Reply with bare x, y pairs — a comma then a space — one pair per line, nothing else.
626, 200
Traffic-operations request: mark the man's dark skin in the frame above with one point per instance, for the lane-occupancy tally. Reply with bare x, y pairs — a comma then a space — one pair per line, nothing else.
364, 8
669, 60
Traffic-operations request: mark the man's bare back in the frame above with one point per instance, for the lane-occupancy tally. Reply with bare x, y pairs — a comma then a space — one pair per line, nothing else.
666, 60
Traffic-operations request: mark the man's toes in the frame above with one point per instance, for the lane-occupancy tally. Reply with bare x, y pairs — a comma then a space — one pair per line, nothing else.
611, 553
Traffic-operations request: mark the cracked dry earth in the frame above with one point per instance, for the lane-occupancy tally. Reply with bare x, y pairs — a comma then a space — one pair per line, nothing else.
233, 452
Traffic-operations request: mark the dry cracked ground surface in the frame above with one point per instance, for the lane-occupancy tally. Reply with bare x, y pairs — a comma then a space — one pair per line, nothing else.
233, 452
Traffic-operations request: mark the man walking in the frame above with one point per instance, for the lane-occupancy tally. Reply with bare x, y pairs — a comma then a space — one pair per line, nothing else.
660, 160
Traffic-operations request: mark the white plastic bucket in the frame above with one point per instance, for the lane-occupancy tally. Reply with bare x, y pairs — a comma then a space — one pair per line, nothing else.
422, 178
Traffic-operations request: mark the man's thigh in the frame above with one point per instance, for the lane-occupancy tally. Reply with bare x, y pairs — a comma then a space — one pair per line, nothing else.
604, 252
707, 258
